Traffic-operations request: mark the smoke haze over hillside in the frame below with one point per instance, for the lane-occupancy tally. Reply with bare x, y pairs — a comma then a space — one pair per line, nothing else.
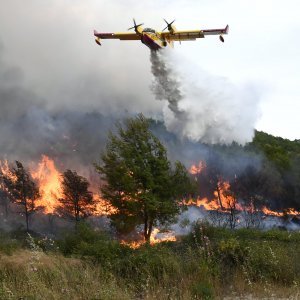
60, 93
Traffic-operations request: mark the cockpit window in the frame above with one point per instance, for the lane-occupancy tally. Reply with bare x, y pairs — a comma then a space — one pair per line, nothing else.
149, 30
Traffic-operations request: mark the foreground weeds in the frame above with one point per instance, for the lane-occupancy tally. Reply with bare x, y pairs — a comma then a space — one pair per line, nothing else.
55, 277
210, 263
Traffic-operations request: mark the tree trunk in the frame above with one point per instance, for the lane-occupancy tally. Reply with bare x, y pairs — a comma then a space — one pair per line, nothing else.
219, 197
76, 218
145, 226
148, 226
26, 215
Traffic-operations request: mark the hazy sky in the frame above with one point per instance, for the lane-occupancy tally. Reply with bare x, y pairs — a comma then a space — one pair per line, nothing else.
48, 47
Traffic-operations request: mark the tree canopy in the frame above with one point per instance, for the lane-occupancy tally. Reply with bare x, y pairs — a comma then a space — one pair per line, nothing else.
139, 180
77, 201
22, 189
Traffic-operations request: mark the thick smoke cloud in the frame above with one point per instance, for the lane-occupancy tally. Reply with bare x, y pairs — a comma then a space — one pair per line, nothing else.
29, 129
201, 106
60, 93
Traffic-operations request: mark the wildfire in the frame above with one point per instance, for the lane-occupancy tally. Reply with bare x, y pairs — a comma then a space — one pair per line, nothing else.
103, 207
221, 196
49, 182
156, 237
197, 169
223, 199
289, 211
204, 203
5, 170
48, 179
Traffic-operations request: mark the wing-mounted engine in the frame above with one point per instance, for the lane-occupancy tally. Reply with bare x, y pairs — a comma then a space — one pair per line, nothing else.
137, 27
170, 27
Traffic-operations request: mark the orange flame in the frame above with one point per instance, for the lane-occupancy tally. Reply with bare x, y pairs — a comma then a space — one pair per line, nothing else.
228, 201
288, 211
49, 181
197, 169
5, 170
103, 207
156, 237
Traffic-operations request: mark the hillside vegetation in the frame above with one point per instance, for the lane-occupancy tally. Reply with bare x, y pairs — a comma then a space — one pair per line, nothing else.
147, 190
209, 263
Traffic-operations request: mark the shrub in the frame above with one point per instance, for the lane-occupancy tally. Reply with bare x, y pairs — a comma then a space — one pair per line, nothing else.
232, 253
271, 261
7, 244
202, 290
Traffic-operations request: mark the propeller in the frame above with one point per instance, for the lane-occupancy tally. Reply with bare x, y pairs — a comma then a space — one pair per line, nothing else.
135, 27
169, 25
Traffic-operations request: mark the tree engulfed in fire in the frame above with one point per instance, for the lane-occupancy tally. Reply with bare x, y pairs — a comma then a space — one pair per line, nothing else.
48, 179
5, 170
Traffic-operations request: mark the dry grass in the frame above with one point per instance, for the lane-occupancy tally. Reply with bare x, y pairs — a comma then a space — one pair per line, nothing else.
24, 276
224, 265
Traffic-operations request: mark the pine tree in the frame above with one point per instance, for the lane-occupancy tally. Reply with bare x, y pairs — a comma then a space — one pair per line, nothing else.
139, 180
22, 190
77, 202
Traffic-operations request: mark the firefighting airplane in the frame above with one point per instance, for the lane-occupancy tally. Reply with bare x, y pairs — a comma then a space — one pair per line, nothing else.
157, 40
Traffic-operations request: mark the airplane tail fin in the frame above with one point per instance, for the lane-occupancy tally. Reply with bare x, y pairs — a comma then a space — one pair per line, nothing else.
226, 30
97, 40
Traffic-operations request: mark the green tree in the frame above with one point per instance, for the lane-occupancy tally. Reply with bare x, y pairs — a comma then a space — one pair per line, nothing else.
77, 201
139, 180
22, 190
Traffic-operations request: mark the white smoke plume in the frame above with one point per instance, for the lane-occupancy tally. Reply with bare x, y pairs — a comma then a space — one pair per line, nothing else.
202, 107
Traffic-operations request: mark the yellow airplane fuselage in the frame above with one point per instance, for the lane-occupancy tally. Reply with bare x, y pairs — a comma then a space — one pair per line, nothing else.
153, 40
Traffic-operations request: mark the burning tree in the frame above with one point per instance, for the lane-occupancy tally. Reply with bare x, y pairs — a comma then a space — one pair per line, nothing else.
21, 189
139, 180
210, 178
231, 208
77, 202
4, 195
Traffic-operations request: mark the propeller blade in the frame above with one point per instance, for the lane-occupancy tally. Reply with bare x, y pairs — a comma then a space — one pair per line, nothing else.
168, 25
135, 27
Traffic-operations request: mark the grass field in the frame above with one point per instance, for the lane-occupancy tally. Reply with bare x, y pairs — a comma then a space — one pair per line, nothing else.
210, 263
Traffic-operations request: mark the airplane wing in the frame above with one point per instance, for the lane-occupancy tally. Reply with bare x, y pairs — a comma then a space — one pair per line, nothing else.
119, 35
191, 35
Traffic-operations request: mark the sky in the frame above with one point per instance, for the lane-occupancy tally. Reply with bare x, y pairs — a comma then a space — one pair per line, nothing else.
48, 48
